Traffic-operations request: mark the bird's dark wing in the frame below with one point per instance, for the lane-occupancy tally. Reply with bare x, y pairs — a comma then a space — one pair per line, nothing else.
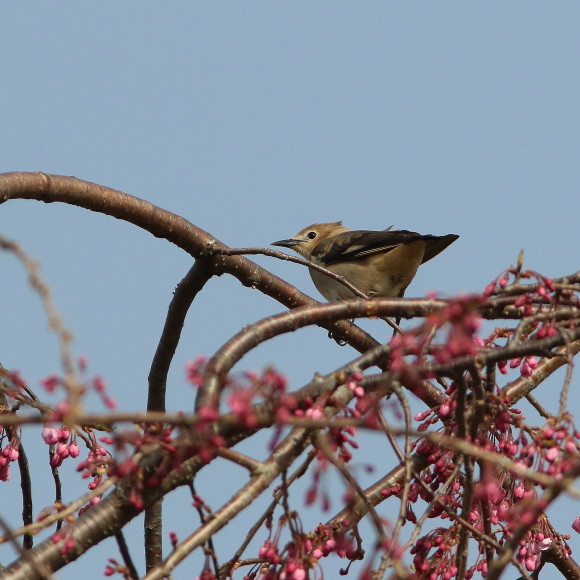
362, 243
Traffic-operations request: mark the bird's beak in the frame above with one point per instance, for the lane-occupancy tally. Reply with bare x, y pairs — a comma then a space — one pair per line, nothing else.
290, 243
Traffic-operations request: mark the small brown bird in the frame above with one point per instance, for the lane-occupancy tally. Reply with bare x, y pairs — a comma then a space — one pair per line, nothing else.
377, 263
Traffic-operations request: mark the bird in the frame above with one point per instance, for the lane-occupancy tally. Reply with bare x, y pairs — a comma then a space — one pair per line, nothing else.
378, 263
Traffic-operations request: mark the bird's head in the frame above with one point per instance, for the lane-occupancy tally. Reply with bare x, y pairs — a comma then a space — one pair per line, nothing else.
306, 240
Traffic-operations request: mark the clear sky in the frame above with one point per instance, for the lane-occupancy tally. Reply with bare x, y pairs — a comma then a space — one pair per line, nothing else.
253, 120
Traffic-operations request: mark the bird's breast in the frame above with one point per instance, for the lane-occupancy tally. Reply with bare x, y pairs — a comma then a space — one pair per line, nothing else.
379, 275
384, 285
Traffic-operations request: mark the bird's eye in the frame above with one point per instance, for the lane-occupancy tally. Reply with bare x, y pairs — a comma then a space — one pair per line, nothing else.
311, 235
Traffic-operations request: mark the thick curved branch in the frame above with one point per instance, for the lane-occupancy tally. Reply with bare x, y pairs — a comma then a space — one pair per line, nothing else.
184, 295
322, 314
177, 230
255, 334
182, 299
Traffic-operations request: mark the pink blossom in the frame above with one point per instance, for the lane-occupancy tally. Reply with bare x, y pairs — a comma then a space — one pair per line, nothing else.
545, 543
240, 403
208, 413
109, 402
531, 563
528, 365
50, 383
275, 380
532, 362
358, 390
269, 552
314, 413
51, 435
99, 384
515, 362
11, 453
195, 370
5, 472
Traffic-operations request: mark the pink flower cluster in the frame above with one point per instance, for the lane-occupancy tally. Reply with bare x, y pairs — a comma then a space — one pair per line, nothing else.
460, 319
245, 390
65, 445
500, 498
296, 560
9, 454
95, 466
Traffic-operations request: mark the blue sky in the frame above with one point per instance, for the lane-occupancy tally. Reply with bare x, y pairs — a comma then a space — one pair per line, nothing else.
253, 120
